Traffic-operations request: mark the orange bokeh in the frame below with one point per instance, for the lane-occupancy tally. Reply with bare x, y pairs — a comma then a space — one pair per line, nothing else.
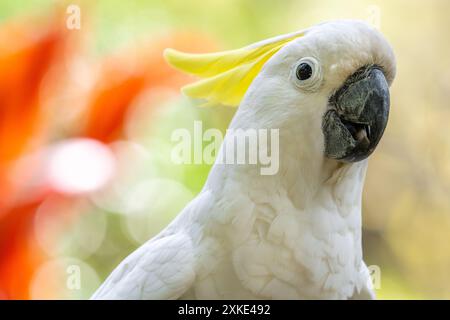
28, 53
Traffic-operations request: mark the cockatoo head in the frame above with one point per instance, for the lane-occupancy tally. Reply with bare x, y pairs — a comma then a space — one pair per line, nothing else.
329, 82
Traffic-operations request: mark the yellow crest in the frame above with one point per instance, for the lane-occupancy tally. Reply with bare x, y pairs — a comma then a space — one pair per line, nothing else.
228, 74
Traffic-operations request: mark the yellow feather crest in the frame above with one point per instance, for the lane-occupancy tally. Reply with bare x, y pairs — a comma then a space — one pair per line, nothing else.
228, 74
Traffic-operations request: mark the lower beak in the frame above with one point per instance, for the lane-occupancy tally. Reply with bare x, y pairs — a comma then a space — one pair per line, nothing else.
357, 116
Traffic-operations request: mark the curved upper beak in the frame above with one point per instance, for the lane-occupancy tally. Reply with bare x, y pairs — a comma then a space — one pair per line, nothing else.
357, 116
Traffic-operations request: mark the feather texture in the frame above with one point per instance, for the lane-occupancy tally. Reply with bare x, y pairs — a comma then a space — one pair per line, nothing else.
161, 269
226, 75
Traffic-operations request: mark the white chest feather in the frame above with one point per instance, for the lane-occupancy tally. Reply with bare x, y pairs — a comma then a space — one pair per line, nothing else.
272, 249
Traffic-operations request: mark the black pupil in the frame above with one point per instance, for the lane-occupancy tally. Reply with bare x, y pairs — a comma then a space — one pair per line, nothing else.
304, 71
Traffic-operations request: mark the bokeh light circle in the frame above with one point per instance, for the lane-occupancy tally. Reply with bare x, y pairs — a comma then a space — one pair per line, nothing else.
80, 166
152, 205
64, 278
64, 227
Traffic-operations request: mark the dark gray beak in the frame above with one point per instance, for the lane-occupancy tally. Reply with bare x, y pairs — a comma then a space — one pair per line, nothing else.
357, 116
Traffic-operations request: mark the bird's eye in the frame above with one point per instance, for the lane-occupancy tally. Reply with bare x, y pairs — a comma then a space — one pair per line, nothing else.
304, 71
307, 74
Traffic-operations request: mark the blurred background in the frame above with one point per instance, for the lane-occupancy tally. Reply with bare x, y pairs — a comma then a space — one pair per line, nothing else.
87, 108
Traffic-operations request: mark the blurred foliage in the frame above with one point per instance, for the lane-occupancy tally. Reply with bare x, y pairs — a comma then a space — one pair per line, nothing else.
114, 60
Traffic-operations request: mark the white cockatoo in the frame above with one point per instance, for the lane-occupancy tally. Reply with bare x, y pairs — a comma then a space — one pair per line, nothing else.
295, 234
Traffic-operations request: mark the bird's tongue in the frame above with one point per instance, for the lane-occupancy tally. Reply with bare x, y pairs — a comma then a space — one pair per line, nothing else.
358, 132
362, 138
